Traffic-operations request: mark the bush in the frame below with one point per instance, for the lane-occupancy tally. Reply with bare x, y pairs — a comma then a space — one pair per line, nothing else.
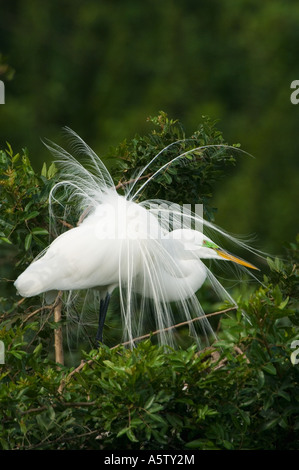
240, 393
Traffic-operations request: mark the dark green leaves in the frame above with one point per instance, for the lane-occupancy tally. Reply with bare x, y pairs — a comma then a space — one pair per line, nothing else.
242, 394
23, 209
206, 165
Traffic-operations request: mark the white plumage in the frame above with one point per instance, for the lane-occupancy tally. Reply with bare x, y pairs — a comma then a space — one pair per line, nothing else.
121, 243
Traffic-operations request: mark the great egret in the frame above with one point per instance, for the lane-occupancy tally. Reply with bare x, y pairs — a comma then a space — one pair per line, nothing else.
131, 245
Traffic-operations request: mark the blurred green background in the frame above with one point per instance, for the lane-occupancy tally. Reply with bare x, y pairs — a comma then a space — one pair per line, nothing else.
102, 67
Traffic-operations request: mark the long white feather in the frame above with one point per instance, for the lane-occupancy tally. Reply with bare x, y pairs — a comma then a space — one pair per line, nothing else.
143, 249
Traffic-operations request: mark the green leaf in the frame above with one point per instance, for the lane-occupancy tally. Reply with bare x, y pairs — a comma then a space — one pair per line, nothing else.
38, 349
284, 303
168, 178
39, 231
159, 436
270, 423
52, 170
196, 444
44, 170
149, 402
228, 445
284, 394
277, 295
15, 158
136, 422
270, 369
28, 241
155, 407
131, 435
17, 353
157, 418
245, 416
6, 240
261, 378
32, 215
123, 431
9, 150
109, 364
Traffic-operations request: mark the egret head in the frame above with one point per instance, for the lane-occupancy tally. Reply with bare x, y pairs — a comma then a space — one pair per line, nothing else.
204, 248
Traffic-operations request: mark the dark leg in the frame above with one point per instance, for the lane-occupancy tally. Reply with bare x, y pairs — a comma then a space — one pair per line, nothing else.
102, 315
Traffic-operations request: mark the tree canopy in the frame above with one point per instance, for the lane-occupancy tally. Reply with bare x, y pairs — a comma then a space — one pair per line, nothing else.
101, 68
106, 69
239, 393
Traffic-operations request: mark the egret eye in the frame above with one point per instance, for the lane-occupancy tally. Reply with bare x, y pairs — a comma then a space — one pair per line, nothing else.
208, 244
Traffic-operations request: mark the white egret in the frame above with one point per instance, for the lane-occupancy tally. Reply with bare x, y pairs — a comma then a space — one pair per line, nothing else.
133, 246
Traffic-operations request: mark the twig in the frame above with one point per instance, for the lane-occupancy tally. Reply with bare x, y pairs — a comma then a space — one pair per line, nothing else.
125, 183
44, 307
118, 186
63, 438
83, 215
41, 327
178, 325
7, 315
90, 361
55, 405
66, 224
58, 339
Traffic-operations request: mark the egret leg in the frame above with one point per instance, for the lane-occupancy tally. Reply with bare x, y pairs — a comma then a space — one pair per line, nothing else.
102, 315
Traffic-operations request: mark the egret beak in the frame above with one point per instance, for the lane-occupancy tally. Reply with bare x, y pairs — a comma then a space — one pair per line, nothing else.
235, 259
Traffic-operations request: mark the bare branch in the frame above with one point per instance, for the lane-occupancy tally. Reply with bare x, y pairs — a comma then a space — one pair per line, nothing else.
66, 224
58, 338
178, 325
83, 363
125, 183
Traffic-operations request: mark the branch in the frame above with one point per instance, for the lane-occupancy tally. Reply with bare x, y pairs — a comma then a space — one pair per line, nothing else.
58, 339
178, 325
40, 309
118, 186
63, 438
55, 405
125, 183
83, 363
66, 224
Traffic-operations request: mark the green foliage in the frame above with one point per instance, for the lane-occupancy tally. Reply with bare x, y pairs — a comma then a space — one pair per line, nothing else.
100, 67
24, 202
239, 394
207, 162
242, 393
6, 71
24, 221
24, 193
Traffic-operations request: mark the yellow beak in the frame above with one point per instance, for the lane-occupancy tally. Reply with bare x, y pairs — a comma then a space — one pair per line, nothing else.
235, 259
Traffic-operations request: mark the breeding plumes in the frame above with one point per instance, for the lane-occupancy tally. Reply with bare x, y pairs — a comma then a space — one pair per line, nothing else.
152, 252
